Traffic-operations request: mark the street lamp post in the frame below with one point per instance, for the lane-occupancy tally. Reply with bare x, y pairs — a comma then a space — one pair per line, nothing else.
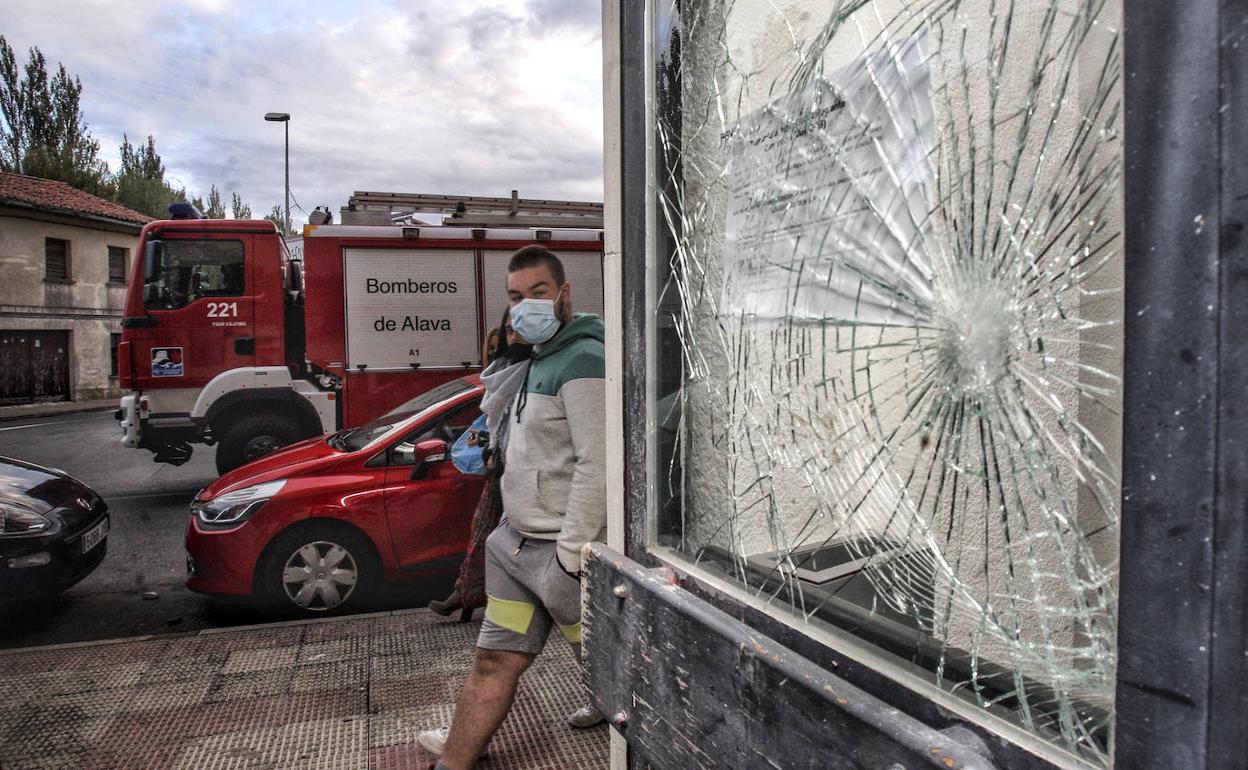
284, 117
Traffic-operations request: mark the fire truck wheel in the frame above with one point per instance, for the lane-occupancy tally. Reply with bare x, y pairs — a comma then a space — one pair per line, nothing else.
253, 436
317, 568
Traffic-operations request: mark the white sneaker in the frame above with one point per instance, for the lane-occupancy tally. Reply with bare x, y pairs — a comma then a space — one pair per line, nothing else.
434, 741
586, 716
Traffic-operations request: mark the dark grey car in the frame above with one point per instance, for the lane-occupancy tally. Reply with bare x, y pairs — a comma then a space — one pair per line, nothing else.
53, 532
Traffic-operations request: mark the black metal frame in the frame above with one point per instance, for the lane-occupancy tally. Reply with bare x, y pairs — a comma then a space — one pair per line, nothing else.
1182, 685
1183, 668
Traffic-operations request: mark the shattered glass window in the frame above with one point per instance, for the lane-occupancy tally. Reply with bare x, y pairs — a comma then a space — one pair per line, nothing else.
885, 302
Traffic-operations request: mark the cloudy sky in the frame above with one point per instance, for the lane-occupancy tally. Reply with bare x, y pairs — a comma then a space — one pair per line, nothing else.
472, 97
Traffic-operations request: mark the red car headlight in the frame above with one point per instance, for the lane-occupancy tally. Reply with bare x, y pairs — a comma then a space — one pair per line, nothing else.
233, 508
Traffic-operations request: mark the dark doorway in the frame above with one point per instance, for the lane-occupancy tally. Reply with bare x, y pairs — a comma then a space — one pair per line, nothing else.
34, 366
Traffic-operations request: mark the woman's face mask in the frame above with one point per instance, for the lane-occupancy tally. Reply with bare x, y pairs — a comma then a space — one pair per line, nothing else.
535, 320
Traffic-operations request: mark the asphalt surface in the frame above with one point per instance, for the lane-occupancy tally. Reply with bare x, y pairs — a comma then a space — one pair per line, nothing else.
148, 504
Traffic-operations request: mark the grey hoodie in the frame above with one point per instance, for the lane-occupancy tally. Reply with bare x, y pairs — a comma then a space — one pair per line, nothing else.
554, 480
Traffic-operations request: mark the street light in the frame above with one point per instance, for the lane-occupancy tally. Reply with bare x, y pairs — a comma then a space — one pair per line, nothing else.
284, 117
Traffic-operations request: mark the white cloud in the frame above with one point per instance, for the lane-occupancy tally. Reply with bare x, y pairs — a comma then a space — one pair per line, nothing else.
474, 97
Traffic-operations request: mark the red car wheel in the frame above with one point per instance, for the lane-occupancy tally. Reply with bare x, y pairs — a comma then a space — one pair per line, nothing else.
319, 568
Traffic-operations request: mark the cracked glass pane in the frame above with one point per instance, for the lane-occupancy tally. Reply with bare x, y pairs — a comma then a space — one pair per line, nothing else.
886, 334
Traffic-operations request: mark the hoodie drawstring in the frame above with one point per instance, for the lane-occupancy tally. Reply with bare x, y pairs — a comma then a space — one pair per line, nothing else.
524, 392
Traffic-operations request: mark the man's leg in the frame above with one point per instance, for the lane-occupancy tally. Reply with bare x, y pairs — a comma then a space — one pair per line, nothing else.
483, 704
561, 596
513, 632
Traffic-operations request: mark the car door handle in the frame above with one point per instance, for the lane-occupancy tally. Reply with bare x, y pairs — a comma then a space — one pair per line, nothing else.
244, 346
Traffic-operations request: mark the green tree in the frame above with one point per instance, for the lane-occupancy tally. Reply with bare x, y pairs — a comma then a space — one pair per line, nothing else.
278, 218
140, 182
215, 209
239, 209
44, 132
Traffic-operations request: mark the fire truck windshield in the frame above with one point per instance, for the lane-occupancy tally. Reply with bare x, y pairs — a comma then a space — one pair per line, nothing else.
188, 270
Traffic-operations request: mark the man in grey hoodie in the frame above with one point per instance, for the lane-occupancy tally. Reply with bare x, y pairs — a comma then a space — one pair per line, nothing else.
554, 501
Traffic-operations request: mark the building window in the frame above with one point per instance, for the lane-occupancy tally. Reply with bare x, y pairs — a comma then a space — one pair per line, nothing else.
114, 339
117, 264
56, 255
885, 337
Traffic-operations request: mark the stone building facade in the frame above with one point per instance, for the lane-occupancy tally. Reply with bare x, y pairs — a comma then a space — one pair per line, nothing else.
65, 261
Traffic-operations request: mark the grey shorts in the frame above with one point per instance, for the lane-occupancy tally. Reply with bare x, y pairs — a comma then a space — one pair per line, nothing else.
526, 592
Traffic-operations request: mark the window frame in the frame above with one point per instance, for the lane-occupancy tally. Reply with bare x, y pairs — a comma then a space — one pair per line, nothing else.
1190, 676
124, 254
114, 362
67, 256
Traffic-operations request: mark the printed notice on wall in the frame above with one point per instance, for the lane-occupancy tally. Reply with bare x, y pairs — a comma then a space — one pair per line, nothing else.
409, 308
828, 198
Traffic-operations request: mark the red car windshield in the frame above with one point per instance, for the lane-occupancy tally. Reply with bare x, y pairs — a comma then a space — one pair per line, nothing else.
358, 438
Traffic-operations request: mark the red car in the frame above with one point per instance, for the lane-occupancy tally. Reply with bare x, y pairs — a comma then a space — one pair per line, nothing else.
321, 525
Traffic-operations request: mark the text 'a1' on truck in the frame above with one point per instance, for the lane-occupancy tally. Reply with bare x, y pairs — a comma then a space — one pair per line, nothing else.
231, 339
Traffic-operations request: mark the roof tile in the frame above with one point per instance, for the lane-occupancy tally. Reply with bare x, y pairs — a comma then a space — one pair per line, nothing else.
62, 198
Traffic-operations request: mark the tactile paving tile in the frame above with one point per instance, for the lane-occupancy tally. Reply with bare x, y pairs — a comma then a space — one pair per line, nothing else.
348, 648
260, 659
329, 744
337, 628
399, 727
320, 677
107, 677
249, 685
334, 694
167, 670
188, 692
413, 691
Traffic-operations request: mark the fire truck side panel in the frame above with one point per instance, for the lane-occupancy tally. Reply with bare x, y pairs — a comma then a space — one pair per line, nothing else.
368, 394
324, 324
365, 394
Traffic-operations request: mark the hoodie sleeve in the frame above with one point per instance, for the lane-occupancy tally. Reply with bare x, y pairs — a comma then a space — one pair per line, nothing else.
584, 402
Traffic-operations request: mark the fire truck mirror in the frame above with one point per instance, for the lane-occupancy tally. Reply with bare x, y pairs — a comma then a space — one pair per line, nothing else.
153, 255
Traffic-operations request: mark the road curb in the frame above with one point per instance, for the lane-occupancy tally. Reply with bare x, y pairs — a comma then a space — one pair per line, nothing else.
16, 413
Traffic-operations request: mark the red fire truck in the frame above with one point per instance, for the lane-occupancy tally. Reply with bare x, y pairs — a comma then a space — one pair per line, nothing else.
228, 340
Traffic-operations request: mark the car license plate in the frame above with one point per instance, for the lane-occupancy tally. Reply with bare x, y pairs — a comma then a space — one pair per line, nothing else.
95, 536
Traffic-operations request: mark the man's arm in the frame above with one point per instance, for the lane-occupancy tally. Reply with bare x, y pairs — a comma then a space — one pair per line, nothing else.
584, 402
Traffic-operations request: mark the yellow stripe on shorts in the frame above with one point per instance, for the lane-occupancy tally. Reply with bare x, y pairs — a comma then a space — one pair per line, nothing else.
572, 633
511, 615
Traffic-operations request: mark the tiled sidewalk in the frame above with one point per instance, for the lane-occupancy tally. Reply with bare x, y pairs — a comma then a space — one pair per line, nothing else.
349, 693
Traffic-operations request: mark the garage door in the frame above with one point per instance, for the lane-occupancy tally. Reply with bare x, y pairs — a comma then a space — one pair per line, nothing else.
34, 366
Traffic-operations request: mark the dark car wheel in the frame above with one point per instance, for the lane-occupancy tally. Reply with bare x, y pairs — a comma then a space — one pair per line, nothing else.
253, 436
318, 568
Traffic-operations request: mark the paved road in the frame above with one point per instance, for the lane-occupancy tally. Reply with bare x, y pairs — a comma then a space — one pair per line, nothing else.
149, 504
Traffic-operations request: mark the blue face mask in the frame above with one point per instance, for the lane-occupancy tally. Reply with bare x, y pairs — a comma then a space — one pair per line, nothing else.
535, 320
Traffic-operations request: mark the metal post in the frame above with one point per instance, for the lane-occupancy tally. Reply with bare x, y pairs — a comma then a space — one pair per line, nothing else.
284, 117
287, 124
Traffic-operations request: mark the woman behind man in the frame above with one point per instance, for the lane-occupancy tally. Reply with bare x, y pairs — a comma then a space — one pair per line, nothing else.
509, 360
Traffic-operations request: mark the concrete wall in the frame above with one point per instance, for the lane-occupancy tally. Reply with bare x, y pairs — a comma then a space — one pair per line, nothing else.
87, 305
